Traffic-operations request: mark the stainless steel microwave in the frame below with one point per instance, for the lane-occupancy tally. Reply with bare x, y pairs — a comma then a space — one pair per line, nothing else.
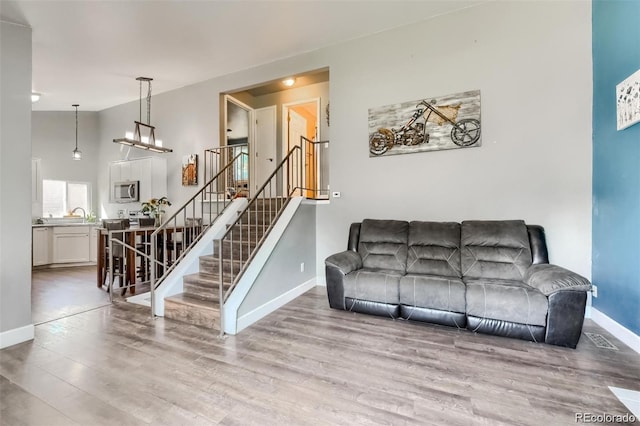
126, 192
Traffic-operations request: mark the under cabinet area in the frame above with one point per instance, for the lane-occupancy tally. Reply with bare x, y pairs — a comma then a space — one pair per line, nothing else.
53, 245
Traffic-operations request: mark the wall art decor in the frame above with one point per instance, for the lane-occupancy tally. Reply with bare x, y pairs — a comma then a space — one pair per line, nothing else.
628, 101
428, 124
190, 170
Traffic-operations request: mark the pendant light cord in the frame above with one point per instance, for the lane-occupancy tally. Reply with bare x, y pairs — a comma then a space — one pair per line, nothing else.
148, 80
76, 127
149, 103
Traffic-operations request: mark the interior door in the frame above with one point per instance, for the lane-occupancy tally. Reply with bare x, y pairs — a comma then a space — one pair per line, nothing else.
297, 129
265, 145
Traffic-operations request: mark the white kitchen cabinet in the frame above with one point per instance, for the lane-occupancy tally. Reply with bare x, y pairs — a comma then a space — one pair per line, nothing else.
93, 244
151, 172
71, 244
41, 246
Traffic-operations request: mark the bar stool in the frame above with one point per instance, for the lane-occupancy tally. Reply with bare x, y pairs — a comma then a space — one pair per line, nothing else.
115, 254
144, 246
192, 228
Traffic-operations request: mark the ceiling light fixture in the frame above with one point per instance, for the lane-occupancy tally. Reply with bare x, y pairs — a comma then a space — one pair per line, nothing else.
77, 154
289, 82
35, 97
135, 139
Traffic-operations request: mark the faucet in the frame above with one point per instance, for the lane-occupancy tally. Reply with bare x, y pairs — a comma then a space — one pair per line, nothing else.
84, 213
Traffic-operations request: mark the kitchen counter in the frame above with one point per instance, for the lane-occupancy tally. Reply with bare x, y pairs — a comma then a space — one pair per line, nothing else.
56, 224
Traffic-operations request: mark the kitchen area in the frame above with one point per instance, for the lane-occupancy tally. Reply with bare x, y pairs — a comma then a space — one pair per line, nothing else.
67, 213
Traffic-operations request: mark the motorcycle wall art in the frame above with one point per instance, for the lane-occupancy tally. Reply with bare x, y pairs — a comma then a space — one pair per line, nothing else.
429, 124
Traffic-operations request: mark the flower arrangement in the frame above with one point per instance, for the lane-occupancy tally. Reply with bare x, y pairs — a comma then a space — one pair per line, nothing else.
155, 206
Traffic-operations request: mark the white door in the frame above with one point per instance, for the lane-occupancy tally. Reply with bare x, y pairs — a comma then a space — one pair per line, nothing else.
265, 146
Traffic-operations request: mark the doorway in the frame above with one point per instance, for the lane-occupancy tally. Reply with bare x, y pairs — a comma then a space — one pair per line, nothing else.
301, 119
237, 136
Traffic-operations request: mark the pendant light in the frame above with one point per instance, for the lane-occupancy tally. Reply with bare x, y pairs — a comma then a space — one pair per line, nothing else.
135, 139
77, 154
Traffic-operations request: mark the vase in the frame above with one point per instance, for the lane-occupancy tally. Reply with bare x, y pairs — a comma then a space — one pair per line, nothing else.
158, 217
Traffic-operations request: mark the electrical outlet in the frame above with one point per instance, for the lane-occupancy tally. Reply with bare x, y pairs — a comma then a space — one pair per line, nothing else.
594, 291
302, 267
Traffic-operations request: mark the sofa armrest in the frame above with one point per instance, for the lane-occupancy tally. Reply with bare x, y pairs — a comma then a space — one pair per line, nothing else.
336, 267
550, 279
345, 262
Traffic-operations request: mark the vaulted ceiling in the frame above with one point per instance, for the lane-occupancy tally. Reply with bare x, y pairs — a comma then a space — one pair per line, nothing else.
90, 52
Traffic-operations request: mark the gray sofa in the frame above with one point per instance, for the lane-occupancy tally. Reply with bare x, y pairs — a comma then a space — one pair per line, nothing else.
491, 277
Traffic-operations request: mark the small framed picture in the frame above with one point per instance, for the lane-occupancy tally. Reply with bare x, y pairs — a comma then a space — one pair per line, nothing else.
190, 170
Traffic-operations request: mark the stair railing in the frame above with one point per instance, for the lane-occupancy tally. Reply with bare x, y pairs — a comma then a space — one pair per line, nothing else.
172, 240
216, 158
316, 168
239, 244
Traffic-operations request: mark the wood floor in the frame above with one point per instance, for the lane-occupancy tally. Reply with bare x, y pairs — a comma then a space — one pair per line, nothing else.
304, 364
59, 292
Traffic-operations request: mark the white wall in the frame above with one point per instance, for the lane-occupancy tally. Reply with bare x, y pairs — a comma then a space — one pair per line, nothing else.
532, 63
53, 138
15, 184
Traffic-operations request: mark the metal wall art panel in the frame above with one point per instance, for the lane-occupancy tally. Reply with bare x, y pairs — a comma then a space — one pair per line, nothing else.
430, 124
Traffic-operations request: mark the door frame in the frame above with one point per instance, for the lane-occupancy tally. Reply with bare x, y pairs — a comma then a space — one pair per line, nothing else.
285, 126
250, 132
254, 155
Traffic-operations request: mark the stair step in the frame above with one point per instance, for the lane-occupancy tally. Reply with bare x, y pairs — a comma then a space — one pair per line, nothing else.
192, 310
246, 233
236, 249
258, 216
211, 265
203, 286
273, 202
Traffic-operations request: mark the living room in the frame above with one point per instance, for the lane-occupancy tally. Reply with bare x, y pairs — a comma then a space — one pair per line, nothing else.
546, 155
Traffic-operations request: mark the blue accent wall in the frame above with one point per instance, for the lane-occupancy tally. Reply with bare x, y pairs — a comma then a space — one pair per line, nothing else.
616, 165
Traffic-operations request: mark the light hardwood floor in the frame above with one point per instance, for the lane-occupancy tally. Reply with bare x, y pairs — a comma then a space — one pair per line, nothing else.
59, 292
303, 364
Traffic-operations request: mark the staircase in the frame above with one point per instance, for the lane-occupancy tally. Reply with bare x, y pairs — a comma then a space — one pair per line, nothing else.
199, 303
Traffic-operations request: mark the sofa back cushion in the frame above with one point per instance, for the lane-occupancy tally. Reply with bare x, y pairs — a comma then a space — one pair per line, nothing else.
434, 249
383, 244
495, 249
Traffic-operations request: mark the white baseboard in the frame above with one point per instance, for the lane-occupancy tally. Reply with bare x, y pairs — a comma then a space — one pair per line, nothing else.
16, 335
621, 333
262, 311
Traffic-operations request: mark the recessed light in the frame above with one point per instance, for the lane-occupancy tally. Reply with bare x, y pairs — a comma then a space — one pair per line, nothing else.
35, 97
289, 82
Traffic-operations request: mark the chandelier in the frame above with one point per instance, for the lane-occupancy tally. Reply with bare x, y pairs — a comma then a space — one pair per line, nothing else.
136, 139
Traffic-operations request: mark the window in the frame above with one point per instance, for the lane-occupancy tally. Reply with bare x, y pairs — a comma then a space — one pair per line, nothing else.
59, 197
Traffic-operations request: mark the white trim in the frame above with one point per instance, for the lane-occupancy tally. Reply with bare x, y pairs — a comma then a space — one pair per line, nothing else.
16, 335
262, 311
630, 399
621, 333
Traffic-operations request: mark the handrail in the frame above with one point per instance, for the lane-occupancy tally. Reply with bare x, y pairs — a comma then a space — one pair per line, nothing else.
189, 221
220, 156
315, 185
258, 223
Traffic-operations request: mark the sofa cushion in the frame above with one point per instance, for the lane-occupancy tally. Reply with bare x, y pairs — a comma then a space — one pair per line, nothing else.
495, 249
434, 248
429, 291
506, 300
383, 244
373, 285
